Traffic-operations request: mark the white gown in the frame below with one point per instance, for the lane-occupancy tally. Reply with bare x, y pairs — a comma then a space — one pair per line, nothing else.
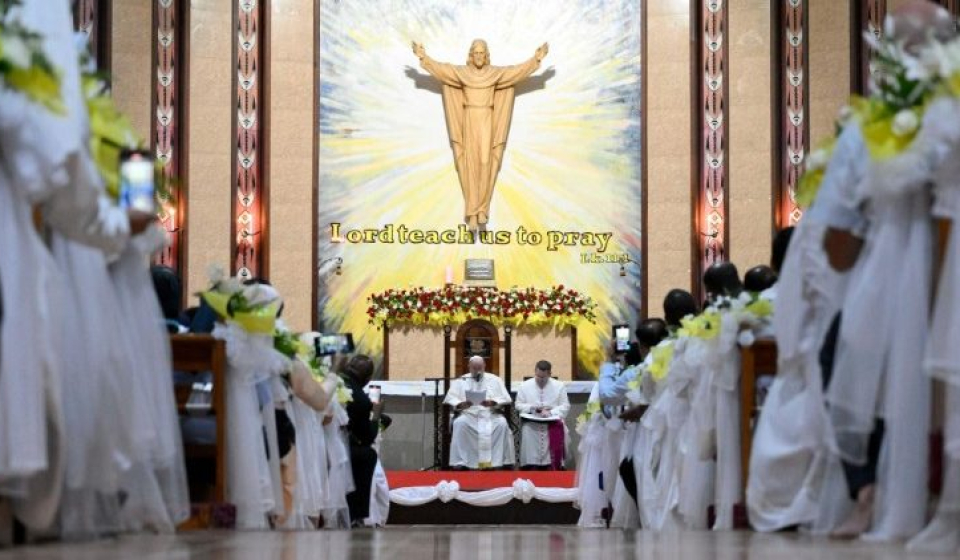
694, 479
713, 432
892, 281
655, 457
597, 465
251, 359
336, 514
795, 475
626, 512
674, 484
39, 156
156, 482
792, 444
379, 498
942, 361
312, 472
95, 377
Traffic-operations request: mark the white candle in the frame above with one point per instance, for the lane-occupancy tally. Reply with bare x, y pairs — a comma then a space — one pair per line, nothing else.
449, 275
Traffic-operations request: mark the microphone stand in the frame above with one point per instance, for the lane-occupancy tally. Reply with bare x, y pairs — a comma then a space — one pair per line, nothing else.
436, 423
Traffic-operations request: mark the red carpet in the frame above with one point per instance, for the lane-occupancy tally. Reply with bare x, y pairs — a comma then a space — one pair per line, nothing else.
472, 480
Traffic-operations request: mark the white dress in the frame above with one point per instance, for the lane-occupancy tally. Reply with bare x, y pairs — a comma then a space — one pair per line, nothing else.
942, 361
598, 463
674, 484
336, 513
156, 482
251, 359
480, 437
795, 474
311, 465
890, 313
95, 389
534, 436
792, 442
694, 481
95, 379
39, 155
379, 498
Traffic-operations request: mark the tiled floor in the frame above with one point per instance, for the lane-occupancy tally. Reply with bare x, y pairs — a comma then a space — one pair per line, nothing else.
467, 543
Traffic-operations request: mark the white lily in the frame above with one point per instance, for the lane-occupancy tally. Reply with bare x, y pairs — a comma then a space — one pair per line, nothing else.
231, 285
260, 295
215, 274
818, 159
905, 122
15, 51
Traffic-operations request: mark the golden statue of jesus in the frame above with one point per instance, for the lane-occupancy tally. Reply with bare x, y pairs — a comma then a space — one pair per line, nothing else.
478, 105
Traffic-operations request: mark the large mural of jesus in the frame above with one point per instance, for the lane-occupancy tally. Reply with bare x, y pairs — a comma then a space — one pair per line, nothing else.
561, 152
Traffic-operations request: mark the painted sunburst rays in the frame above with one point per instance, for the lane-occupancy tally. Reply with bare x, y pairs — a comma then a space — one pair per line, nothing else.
572, 161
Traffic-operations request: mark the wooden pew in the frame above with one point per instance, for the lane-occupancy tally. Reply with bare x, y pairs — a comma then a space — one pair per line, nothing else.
755, 360
198, 353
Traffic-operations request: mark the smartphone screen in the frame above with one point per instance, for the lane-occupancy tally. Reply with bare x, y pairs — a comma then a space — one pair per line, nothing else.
136, 181
621, 334
330, 344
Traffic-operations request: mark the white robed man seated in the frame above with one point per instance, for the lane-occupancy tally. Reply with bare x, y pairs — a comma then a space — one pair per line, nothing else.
481, 437
542, 403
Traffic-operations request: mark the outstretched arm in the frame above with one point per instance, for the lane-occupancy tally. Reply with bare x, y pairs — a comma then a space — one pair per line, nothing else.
446, 73
512, 75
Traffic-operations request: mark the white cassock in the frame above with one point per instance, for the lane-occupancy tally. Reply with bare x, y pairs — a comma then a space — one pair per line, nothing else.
481, 437
534, 436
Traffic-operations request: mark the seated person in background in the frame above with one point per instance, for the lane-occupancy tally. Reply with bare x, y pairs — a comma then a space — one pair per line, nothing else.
481, 437
722, 279
677, 305
763, 280
759, 279
650, 333
542, 444
615, 385
780, 245
363, 427
167, 285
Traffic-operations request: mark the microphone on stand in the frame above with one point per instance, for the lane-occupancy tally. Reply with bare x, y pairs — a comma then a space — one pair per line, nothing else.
423, 428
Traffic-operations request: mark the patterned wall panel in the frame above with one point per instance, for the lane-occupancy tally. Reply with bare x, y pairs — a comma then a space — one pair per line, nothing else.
249, 199
711, 200
793, 107
92, 18
868, 18
169, 79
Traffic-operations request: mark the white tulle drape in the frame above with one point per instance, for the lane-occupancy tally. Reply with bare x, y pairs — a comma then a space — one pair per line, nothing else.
340, 482
156, 482
447, 491
251, 359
